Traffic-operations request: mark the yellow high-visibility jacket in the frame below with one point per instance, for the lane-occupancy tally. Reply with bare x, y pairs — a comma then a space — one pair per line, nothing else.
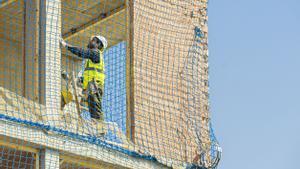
94, 71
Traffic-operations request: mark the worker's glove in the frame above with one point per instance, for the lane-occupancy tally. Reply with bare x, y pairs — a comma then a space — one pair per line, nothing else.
80, 81
63, 43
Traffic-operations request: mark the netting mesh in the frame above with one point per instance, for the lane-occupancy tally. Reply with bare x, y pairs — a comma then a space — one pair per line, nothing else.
12, 158
146, 102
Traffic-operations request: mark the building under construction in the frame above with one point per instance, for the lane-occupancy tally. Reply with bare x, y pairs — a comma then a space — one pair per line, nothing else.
155, 100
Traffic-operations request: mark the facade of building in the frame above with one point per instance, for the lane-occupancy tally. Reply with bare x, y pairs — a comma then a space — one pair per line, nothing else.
156, 88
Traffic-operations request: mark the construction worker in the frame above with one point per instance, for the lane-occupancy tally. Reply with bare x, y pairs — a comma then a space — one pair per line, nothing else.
93, 75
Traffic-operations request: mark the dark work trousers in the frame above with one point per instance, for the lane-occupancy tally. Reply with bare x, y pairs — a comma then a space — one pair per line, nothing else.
95, 102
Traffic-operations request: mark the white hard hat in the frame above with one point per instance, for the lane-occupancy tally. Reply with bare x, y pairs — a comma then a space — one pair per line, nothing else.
102, 39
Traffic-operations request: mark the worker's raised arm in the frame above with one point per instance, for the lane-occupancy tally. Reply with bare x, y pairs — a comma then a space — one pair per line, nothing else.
94, 55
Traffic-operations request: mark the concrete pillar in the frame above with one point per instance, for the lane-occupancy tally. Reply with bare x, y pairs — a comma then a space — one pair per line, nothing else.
49, 159
50, 92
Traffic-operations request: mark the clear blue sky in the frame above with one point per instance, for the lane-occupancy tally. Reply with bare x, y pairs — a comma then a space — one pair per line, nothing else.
255, 82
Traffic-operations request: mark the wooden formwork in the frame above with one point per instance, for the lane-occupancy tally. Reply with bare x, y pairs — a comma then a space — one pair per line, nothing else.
21, 31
